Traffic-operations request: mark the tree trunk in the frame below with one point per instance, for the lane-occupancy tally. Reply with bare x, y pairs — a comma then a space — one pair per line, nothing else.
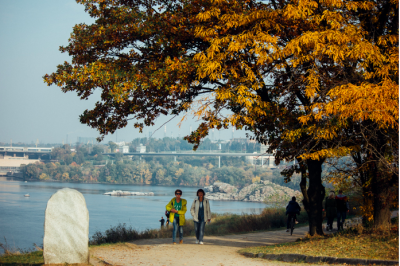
383, 182
368, 200
316, 194
382, 214
378, 188
313, 196
303, 188
382, 200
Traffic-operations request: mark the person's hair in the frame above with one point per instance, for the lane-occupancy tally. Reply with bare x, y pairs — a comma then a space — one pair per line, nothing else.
340, 191
178, 190
331, 194
200, 190
294, 198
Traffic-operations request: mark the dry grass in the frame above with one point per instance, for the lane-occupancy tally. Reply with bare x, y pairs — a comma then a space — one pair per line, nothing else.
356, 242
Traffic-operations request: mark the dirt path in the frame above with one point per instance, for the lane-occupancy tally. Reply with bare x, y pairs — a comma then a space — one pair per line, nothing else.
217, 250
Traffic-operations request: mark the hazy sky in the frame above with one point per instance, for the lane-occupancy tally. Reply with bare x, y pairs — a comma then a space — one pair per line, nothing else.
31, 33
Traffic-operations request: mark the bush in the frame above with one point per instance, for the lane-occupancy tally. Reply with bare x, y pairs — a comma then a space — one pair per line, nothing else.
121, 233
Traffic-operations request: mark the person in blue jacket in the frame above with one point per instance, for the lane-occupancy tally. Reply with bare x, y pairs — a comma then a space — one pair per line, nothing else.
292, 209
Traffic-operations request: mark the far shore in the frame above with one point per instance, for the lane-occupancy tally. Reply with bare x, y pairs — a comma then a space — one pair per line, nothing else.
80, 182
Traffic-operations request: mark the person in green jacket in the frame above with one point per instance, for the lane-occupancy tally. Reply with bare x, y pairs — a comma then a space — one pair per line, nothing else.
177, 209
331, 209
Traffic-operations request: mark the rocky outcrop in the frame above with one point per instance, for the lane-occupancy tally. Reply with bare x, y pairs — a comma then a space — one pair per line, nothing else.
221, 187
265, 191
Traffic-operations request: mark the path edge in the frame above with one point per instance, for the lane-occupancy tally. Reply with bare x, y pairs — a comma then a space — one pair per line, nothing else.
316, 259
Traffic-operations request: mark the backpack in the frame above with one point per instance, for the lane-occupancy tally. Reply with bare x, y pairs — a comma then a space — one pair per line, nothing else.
167, 213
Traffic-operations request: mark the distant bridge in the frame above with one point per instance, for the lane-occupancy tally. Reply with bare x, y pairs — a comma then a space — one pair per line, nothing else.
201, 154
24, 152
25, 149
11, 158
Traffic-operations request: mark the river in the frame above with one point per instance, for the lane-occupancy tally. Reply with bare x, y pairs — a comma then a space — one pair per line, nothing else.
22, 218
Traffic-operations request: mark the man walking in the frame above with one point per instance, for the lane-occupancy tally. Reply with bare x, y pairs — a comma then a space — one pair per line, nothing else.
292, 209
342, 205
331, 210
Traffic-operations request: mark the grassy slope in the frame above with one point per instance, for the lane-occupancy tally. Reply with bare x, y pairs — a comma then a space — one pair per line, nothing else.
351, 243
32, 258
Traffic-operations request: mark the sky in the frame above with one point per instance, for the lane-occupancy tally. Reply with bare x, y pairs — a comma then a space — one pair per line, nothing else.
31, 34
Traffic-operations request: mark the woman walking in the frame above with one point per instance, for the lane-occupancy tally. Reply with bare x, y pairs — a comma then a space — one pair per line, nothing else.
177, 209
201, 213
331, 209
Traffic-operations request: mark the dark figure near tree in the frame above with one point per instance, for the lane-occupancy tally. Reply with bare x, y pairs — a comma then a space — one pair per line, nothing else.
342, 204
292, 209
331, 210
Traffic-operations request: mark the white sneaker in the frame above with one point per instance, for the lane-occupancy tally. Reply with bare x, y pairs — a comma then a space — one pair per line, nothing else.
201, 243
197, 241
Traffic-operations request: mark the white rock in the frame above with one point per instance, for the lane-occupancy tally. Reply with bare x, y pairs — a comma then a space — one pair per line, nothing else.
257, 192
224, 187
66, 228
128, 193
208, 189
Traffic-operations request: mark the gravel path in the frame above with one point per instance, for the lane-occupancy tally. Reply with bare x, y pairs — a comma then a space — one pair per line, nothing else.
217, 250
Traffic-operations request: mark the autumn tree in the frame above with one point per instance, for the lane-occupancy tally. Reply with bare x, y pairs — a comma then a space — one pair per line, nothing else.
31, 171
362, 108
336, 77
275, 66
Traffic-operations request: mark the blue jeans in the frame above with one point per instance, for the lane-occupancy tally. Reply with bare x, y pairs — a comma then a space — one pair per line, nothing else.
199, 229
343, 216
177, 228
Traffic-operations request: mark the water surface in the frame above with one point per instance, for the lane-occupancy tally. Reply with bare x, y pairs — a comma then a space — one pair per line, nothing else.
22, 218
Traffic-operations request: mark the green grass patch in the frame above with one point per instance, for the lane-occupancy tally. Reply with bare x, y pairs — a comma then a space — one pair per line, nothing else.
32, 258
352, 243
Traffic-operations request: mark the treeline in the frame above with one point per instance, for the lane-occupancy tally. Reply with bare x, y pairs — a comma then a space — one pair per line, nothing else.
80, 154
84, 165
152, 172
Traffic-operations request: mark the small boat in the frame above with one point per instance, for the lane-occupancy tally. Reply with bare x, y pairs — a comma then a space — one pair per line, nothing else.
26, 195
26, 181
